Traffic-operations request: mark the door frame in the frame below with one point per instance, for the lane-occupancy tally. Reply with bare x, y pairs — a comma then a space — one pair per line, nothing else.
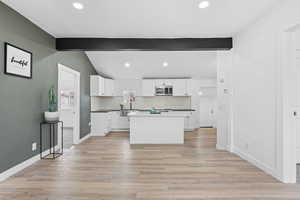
286, 106
76, 131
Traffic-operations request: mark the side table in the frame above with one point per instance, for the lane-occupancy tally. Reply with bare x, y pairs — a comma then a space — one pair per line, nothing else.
53, 126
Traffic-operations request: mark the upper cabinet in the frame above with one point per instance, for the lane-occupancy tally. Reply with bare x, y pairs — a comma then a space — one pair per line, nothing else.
148, 87
181, 87
101, 86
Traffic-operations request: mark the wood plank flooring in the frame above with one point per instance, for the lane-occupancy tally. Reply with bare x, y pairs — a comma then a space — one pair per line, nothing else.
106, 168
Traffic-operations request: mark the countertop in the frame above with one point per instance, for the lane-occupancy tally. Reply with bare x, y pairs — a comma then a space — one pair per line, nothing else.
162, 115
143, 110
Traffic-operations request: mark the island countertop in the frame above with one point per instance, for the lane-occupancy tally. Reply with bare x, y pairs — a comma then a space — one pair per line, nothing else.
161, 115
143, 110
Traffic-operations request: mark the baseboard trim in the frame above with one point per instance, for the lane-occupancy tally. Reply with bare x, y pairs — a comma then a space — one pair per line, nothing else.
19, 167
220, 147
84, 138
298, 156
256, 163
119, 130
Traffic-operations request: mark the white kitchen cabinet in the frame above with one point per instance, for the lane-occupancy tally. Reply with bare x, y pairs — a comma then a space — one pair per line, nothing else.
100, 86
160, 82
179, 87
109, 87
188, 121
182, 87
148, 87
119, 123
100, 124
189, 87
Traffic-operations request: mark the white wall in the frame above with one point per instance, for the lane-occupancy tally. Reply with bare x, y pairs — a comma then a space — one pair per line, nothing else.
224, 101
256, 86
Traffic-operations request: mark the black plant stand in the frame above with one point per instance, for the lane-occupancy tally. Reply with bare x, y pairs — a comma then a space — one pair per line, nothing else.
53, 127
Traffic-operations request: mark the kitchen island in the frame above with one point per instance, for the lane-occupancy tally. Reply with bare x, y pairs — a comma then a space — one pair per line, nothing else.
165, 128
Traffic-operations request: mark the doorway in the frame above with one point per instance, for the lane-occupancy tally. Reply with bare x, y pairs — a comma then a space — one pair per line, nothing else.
289, 106
207, 111
297, 45
69, 105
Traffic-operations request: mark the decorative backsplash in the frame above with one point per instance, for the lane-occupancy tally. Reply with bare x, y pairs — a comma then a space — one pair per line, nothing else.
162, 102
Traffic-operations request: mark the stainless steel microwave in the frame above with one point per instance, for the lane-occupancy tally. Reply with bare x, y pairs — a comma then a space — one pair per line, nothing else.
164, 90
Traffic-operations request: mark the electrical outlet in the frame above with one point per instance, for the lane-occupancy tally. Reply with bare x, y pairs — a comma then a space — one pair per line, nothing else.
34, 146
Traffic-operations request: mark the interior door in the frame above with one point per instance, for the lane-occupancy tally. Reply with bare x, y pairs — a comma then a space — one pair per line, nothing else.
67, 106
298, 108
207, 112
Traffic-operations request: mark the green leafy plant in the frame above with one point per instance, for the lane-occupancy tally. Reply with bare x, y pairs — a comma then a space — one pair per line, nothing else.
52, 100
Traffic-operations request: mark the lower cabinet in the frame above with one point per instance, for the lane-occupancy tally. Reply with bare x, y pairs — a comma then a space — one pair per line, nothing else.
188, 122
100, 124
119, 123
103, 123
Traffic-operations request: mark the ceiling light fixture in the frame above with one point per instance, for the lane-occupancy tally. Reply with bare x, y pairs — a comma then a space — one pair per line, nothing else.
204, 4
127, 64
165, 64
78, 6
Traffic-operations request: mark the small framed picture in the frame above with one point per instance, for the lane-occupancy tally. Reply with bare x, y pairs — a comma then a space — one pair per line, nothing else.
18, 62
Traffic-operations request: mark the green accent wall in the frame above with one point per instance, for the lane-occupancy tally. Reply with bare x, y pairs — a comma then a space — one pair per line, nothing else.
23, 101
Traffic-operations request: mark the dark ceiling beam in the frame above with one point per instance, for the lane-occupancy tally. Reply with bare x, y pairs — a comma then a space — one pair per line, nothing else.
143, 44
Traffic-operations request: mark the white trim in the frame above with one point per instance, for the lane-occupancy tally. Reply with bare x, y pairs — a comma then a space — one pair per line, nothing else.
255, 162
286, 130
229, 148
19, 167
76, 138
298, 156
220, 147
119, 130
84, 138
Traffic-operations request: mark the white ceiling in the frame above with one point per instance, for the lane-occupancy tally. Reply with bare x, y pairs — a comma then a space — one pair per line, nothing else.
141, 18
145, 18
150, 64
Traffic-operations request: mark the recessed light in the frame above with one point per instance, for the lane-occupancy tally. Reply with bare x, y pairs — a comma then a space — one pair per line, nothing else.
200, 93
165, 64
204, 4
127, 64
78, 6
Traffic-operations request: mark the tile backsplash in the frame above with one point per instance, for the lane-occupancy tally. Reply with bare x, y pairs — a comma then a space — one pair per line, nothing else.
98, 103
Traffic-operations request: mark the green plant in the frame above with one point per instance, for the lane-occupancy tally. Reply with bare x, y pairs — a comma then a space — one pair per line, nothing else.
52, 100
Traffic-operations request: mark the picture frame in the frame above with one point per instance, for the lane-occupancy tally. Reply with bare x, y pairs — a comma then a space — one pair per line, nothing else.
17, 61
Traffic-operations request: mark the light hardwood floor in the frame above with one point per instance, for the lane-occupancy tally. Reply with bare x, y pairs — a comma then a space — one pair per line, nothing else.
105, 168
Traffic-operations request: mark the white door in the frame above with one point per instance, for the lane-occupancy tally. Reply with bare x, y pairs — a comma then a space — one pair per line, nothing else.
207, 112
69, 105
298, 109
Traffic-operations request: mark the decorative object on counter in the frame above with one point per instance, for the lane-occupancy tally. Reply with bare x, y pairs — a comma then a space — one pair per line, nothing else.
154, 111
18, 62
52, 115
128, 97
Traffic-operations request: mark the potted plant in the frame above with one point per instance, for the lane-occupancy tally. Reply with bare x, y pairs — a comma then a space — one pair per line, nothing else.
52, 115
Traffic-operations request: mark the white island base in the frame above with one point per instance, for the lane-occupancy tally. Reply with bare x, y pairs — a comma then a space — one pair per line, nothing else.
156, 128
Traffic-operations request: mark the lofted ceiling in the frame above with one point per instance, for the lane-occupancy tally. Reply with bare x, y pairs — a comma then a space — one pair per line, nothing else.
141, 18
145, 19
194, 64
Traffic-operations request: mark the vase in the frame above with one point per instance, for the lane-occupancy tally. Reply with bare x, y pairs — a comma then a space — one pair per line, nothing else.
51, 116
